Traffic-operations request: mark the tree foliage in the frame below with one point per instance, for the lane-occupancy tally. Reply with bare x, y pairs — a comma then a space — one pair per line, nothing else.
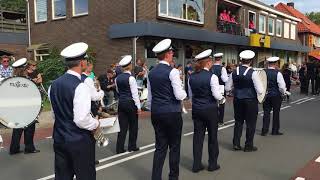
14, 5
314, 16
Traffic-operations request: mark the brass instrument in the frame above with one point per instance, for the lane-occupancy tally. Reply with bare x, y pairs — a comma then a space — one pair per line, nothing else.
100, 138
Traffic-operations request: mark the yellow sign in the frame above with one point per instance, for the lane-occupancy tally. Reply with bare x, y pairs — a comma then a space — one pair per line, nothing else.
258, 40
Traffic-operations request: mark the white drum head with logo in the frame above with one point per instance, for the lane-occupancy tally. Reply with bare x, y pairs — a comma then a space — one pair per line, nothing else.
264, 81
20, 102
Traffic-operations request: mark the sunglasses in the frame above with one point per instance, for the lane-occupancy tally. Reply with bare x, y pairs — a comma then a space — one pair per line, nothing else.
5, 61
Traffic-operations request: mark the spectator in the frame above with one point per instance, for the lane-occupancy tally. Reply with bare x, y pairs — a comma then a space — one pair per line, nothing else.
303, 80
118, 69
286, 72
311, 75
233, 19
89, 70
252, 26
179, 67
139, 72
33, 73
108, 86
187, 72
5, 68
317, 79
228, 16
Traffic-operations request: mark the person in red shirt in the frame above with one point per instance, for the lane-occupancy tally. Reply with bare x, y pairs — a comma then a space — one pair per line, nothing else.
252, 26
228, 16
233, 19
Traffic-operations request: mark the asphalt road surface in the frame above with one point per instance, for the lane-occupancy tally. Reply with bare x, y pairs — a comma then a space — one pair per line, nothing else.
277, 158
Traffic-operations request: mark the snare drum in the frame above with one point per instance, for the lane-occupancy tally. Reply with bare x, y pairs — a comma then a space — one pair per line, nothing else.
20, 102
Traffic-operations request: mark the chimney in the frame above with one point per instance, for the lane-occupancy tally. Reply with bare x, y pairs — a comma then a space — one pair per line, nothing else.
291, 4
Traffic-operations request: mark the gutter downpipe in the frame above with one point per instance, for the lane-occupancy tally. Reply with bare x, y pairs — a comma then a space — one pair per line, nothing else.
134, 40
28, 14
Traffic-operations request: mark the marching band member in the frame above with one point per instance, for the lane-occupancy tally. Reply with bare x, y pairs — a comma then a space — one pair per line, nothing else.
20, 70
165, 96
129, 106
204, 93
246, 87
221, 73
74, 144
276, 87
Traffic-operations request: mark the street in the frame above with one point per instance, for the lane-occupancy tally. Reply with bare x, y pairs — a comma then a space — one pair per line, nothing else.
277, 158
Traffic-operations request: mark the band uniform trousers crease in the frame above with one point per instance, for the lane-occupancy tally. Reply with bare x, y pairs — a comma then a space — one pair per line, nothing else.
28, 138
271, 103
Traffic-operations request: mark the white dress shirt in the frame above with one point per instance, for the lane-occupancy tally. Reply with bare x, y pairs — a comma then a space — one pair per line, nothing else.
82, 106
214, 84
176, 83
256, 82
224, 74
133, 88
95, 95
280, 81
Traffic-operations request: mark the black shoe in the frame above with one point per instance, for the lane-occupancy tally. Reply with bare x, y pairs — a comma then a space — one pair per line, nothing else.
250, 149
121, 151
264, 134
96, 162
134, 149
213, 168
15, 152
237, 147
220, 124
277, 133
30, 152
198, 169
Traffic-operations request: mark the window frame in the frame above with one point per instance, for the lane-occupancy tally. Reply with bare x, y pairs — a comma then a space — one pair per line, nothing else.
74, 12
265, 23
255, 18
284, 30
36, 13
273, 25
295, 31
279, 35
167, 16
53, 11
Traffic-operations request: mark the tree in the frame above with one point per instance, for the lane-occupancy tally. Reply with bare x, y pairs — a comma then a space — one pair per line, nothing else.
314, 16
14, 5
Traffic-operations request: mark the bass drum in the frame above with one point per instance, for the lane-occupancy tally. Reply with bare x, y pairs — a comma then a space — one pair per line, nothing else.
264, 80
20, 102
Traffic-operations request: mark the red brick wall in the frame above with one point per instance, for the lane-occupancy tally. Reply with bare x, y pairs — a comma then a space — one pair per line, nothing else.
19, 51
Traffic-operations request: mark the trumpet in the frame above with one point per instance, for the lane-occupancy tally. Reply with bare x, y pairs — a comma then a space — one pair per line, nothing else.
222, 101
100, 138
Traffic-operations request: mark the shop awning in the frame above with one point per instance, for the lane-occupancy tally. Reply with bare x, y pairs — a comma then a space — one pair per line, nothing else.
165, 30
316, 57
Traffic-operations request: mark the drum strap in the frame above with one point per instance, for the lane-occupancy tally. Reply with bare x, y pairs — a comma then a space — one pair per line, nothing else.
237, 71
245, 73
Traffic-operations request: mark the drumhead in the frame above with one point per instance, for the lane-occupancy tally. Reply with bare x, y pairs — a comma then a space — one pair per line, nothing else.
21, 102
264, 80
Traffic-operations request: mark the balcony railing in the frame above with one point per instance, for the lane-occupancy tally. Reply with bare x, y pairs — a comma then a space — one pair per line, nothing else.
229, 27
10, 26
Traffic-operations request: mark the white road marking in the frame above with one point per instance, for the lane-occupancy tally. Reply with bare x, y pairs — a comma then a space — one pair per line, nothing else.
140, 154
49, 137
318, 160
305, 100
285, 107
299, 100
300, 178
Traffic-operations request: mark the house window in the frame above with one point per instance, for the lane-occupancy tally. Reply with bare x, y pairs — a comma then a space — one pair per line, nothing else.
40, 7
270, 26
59, 9
293, 32
41, 54
188, 10
279, 28
262, 23
252, 20
286, 32
80, 7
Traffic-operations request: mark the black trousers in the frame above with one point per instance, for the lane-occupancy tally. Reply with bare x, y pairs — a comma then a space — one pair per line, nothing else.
317, 85
28, 138
75, 158
312, 79
203, 120
220, 113
128, 119
168, 129
245, 110
271, 103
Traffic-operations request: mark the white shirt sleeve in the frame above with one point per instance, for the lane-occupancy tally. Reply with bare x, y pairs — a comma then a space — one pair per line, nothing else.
229, 83
224, 75
82, 108
189, 90
176, 84
257, 83
95, 95
134, 91
214, 83
52, 113
115, 82
149, 94
281, 83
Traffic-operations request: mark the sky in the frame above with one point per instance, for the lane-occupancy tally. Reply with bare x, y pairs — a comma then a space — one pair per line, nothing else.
302, 5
